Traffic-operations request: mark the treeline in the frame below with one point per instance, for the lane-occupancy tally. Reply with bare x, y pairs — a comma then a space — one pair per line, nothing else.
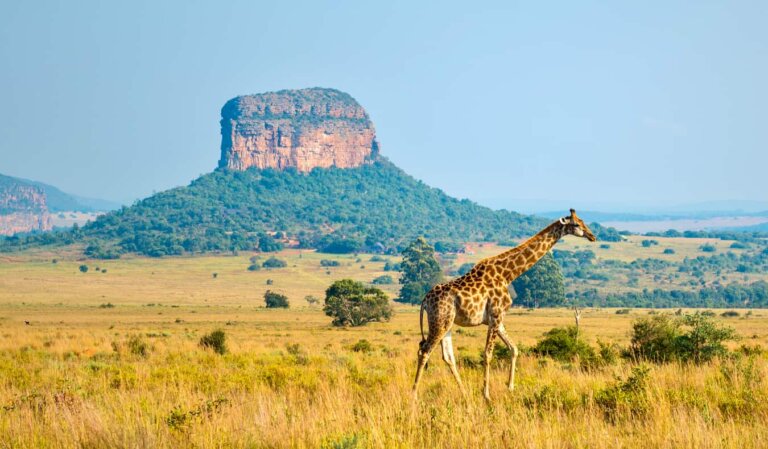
754, 295
740, 236
374, 208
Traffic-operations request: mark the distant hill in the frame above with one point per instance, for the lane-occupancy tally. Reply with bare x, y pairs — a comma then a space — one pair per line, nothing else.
376, 207
58, 201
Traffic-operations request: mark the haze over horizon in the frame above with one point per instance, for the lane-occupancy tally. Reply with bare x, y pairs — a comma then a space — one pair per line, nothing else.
625, 107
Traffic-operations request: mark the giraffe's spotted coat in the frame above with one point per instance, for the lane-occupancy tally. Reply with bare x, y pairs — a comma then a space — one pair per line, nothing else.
481, 296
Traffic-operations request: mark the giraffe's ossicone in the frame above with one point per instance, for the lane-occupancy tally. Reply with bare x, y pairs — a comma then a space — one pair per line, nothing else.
482, 297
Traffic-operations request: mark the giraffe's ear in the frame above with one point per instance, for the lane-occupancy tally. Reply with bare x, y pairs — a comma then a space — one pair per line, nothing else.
562, 220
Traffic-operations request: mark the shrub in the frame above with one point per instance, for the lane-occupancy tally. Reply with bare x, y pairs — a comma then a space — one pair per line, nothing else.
254, 267
622, 312
83, 268
708, 248
563, 344
311, 300
138, 346
106, 305
653, 338
389, 266
739, 245
626, 398
329, 263
649, 243
351, 303
605, 246
690, 338
362, 345
464, 268
377, 258
704, 339
275, 300
730, 314
274, 262
216, 340
383, 280
669, 251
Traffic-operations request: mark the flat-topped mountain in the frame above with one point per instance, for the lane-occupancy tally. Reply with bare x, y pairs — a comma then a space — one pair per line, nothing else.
300, 168
303, 129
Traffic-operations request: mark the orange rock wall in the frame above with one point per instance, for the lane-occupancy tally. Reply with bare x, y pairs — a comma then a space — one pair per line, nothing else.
303, 129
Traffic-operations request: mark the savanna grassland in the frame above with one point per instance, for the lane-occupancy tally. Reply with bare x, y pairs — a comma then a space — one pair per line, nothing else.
110, 358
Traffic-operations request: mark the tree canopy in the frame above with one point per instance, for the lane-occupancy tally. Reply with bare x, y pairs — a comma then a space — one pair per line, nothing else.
541, 285
420, 271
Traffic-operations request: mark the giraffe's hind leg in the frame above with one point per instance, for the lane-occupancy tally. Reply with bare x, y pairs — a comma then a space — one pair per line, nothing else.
513, 349
450, 359
440, 315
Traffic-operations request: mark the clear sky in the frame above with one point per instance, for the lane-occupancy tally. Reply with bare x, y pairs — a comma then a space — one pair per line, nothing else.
596, 104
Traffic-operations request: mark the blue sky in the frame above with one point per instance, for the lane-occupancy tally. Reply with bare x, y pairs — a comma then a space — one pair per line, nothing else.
533, 105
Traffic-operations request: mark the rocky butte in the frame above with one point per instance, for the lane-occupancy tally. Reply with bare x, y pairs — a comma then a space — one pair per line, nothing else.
303, 128
23, 208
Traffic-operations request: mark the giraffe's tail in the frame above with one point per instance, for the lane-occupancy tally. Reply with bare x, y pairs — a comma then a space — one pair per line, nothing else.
421, 327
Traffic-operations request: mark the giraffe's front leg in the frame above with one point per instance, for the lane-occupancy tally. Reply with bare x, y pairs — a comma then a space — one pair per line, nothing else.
488, 355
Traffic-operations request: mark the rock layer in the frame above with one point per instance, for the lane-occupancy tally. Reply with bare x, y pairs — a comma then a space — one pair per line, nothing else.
303, 129
23, 208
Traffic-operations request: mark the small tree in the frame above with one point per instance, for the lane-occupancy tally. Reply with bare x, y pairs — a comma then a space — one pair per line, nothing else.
542, 284
420, 271
351, 303
83, 268
311, 300
275, 300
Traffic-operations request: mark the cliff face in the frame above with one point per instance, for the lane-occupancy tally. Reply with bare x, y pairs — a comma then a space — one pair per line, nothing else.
22, 208
303, 129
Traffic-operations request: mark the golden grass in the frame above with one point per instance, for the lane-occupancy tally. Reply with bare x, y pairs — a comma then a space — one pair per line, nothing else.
70, 379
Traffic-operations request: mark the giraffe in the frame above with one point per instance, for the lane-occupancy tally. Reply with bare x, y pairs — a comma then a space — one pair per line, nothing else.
481, 296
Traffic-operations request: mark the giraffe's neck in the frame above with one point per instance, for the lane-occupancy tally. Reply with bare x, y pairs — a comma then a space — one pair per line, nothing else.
516, 261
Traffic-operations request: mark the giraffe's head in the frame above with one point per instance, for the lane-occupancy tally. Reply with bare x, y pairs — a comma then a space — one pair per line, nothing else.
573, 225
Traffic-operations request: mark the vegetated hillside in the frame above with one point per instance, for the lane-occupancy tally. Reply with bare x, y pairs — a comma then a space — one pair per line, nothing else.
376, 207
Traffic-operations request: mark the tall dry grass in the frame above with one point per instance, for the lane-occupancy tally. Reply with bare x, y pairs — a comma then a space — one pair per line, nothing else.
290, 380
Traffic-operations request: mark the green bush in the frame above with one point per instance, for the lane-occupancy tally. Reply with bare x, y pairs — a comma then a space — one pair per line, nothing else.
563, 344
708, 248
329, 263
275, 300
362, 345
216, 340
729, 314
383, 280
83, 268
138, 346
274, 262
464, 268
668, 251
693, 338
653, 338
626, 399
